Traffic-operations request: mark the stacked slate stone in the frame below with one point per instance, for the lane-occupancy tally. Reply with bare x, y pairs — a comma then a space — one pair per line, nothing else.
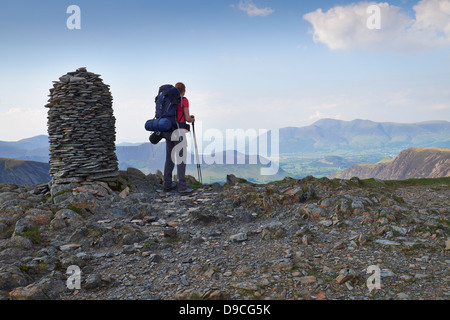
81, 129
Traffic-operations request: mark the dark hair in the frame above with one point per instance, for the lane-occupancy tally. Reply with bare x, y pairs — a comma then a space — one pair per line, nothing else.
181, 87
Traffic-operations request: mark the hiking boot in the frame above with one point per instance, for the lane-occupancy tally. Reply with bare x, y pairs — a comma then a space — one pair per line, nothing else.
186, 191
172, 187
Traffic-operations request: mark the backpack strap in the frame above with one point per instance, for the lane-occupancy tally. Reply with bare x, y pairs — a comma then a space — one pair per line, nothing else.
178, 125
182, 111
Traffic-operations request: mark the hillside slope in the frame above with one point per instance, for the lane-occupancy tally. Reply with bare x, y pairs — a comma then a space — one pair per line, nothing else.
22, 172
410, 163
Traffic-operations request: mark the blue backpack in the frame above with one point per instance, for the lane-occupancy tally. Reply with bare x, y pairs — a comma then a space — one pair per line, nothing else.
166, 102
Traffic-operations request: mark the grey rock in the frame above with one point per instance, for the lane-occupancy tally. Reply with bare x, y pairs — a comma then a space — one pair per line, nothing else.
420, 276
70, 247
385, 273
12, 277
170, 233
6, 196
58, 223
108, 239
129, 249
187, 260
184, 281
387, 242
239, 237
403, 296
401, 230
274, 230
21, 242
79, 235
357, 205
345, 275
155, 258
93, 281
118, 213
326, 223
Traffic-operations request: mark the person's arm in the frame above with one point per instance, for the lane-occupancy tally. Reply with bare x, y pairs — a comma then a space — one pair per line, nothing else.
188, 116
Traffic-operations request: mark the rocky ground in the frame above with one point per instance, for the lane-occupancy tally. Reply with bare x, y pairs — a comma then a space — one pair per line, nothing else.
292, 239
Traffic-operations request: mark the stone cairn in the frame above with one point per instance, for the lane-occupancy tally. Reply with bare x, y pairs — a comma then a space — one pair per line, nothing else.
81, 129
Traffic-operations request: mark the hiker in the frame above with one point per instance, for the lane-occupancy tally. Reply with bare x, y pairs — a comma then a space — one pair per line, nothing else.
173, 138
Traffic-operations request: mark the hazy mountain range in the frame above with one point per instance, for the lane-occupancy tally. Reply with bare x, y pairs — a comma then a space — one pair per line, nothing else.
336, 135
320, 149
35, 148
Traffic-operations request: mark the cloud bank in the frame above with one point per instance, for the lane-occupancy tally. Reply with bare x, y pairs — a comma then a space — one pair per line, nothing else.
345, 27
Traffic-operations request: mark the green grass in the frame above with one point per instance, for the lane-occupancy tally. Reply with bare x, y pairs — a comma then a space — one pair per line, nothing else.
418, 182
31, 233
372, 183
74, 209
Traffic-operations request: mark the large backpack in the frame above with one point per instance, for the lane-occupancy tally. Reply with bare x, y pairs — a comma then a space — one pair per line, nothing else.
166, 108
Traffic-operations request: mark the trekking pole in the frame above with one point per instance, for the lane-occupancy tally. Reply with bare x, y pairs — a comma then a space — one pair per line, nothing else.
199, 170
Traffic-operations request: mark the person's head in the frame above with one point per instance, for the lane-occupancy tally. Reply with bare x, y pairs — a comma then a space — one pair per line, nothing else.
181, 87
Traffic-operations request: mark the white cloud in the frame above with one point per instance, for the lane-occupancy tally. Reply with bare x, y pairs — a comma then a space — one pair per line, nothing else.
252, 10
433, 15
345, 27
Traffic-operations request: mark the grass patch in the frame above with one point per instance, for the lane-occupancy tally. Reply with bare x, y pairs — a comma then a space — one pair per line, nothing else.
398, 199
24, 268
372, 183
74, 209
418, 182
31, 233
59, 193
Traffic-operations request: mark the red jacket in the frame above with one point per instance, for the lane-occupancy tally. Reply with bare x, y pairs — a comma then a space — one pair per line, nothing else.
180, 113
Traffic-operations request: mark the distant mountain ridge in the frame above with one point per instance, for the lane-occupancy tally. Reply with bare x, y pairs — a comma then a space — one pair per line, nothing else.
22, 172
410, 163
326, 135
35, 148
330, 145
334, 135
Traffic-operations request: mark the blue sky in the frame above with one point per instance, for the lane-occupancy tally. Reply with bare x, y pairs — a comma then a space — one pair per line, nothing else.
247, 64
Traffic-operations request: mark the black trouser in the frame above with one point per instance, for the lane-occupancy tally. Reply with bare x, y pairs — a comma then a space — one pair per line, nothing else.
172, 156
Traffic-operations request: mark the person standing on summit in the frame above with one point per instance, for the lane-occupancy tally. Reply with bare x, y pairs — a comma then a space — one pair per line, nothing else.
173, 139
